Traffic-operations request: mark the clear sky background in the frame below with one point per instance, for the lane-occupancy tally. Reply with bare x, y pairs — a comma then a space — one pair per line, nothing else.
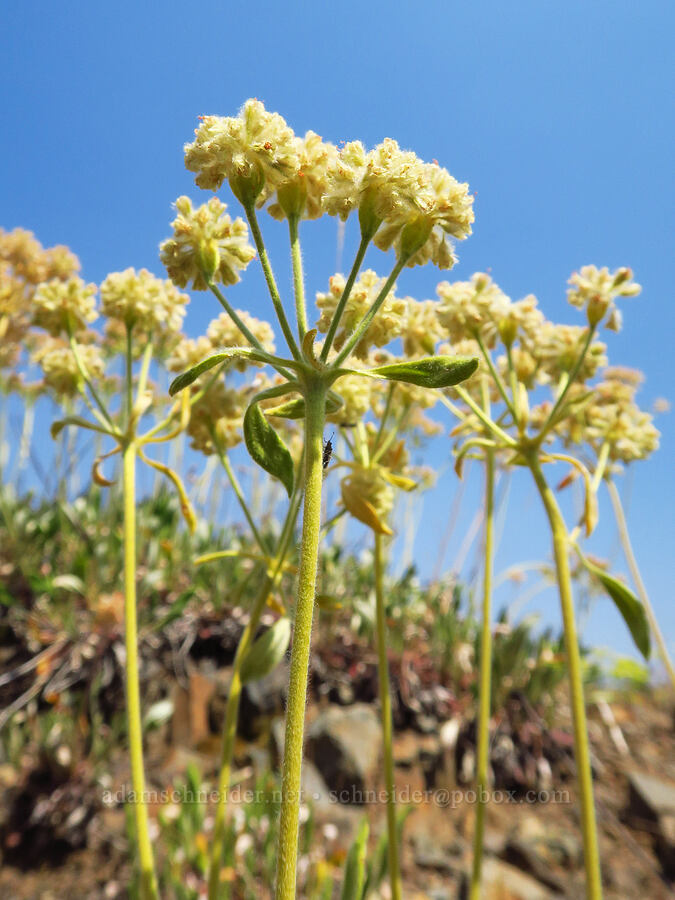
559, 115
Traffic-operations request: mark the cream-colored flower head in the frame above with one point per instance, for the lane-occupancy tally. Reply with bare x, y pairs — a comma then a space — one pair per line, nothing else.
62, 307
525, 366
216, 419
401, 200
422, 330
387, 324
595, 290
255, 151
612, 416
471, 309
369, 485
301, 194
188, 352
558, 349
61, 373
356, 392
143, 302
223, 333
441, 206
522, 321
206, 244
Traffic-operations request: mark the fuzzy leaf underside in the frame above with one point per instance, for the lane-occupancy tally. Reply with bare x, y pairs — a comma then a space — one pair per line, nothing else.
266, 447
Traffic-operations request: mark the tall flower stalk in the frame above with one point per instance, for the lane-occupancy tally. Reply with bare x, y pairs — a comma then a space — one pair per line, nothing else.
401, 203
484, 693
477, 315
140, 309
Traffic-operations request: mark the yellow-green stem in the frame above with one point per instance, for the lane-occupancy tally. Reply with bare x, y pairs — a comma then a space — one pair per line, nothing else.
270, 280
624, 537
298, 277
581, 747
483, 739
146, 862
315, 400
387, 725
335, 321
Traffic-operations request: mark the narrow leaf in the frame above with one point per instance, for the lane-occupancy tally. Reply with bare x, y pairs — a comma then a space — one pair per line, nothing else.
627, 603
174, 477
57, 427
430, 372
267, 652
266, 447
352, 886
187, 378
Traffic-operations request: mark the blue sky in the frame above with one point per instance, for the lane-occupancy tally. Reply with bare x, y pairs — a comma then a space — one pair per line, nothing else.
558, 115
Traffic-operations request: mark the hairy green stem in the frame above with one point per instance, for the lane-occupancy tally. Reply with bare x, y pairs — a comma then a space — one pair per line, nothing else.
269, 278
495, 374
298, 277
484, 417
146, 862
315, 403
335, 321
387, 723
550, 421
483, 739
627, 547
87, 380
581, 745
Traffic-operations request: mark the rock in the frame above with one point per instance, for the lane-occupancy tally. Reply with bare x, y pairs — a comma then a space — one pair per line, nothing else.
345, 744
665, 844
503, 882
314, 788
526, 857
649, 797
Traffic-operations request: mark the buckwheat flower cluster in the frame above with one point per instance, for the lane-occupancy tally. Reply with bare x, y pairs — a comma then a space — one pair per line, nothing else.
223, 333
612, 416
64, 307
472, 309
206, 245
216, 419
422, 329
61, 373
525, 367
301, 194
522, 320
401, 200
367, 485
558, 349
356, 392
595, 291
188, 352
387, 325
141, 301
255, 151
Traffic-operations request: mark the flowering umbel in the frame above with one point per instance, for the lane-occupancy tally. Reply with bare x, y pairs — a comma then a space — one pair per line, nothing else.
206, 244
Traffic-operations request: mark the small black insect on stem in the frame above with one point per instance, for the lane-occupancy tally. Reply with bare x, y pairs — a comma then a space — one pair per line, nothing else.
328, 450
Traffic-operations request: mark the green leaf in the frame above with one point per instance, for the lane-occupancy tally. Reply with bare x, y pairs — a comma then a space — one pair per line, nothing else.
187, 378
430, 372
355, 864
266, 447
57, 427
267, 652
295, 409
627, 603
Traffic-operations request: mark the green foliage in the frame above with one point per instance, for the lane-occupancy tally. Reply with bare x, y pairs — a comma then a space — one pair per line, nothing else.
266, 447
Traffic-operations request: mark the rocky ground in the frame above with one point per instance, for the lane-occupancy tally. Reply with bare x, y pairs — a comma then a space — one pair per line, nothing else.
60, 840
